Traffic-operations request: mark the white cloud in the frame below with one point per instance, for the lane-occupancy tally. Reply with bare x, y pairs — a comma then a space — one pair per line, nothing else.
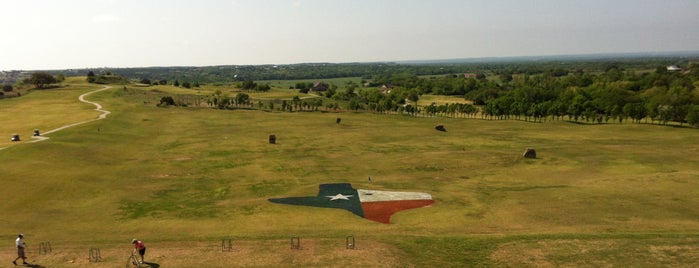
296, 4
235, 3
105, 18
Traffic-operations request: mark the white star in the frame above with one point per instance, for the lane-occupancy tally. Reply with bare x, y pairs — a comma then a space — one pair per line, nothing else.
338, 196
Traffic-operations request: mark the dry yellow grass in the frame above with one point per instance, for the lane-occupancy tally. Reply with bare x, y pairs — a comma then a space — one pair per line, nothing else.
601, 252
426, 100
244, 253
182, 178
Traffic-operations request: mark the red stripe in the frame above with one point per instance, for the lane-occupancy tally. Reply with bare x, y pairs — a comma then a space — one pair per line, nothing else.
382, 211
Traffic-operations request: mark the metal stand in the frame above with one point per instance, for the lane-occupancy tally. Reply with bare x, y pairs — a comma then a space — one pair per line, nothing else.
349, 242
295, 243
95, 255
44, 248
226, 245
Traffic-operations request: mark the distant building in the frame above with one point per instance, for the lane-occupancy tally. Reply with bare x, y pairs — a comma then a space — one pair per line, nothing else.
386, 88
470, 75
320, 86
673, 68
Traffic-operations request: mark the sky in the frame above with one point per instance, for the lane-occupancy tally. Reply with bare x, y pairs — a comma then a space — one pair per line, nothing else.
51, 34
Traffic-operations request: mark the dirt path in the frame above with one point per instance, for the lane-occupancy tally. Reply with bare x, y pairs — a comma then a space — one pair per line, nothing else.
98, 108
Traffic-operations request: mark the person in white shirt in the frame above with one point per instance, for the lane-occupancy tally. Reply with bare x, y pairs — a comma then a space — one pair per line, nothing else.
20, 250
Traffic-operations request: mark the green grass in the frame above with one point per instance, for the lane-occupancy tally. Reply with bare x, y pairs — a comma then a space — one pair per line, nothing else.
426, 100
183, 178
153, 93
339, 82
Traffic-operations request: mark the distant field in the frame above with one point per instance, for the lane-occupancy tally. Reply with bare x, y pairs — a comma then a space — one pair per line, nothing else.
340, 82
426, 100
182, 179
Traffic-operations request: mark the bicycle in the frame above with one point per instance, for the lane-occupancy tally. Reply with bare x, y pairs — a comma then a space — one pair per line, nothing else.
133, 261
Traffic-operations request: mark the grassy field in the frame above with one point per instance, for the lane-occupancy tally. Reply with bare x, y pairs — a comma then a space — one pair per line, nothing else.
339, 82
183, 179
426, 100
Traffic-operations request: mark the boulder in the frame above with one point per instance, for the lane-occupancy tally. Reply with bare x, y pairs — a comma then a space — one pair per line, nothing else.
440, 128
529, 153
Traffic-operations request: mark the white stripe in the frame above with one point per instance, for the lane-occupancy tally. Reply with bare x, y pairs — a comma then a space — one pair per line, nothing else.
378, 196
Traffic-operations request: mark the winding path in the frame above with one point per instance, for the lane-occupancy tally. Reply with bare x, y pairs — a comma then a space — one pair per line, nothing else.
98, 108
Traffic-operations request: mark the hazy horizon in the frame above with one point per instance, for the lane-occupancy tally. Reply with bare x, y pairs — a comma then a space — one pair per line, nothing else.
49, 35
564, 57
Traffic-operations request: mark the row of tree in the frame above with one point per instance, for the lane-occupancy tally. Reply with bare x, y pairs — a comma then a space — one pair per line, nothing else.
106, 78
615, 94
503, 66
590, 91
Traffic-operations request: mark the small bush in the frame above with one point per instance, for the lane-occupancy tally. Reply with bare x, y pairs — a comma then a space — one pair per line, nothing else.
166, 101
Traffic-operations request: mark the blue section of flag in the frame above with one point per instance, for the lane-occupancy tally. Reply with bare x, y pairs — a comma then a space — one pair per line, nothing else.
331, 195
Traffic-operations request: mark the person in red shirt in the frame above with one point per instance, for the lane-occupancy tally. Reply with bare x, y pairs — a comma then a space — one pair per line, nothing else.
140, 247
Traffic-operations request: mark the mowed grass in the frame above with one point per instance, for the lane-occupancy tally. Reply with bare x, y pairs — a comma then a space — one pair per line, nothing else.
44, 110
426, 100
339, 82
182, 179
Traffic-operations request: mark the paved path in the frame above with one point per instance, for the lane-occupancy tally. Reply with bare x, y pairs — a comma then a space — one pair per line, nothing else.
98, 108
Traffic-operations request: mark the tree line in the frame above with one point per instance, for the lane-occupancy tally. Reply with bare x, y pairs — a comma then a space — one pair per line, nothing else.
534, 65
612, 94
582, 90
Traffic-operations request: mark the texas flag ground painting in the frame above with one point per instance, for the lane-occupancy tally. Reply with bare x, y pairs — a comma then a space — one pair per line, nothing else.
373, 205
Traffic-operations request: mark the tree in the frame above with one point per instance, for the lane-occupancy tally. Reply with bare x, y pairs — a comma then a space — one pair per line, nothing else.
7, 88
413, 95
40, 79
248, 85
330, 94
90, 77
217, 99
296, 101
166, 101
318, 102
263, 87
577, 107
351, 85
693, 116
506, 77
635, 111
242, 98
354, 104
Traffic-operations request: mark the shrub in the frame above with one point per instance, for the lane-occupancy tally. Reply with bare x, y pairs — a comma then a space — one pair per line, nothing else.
166, 101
